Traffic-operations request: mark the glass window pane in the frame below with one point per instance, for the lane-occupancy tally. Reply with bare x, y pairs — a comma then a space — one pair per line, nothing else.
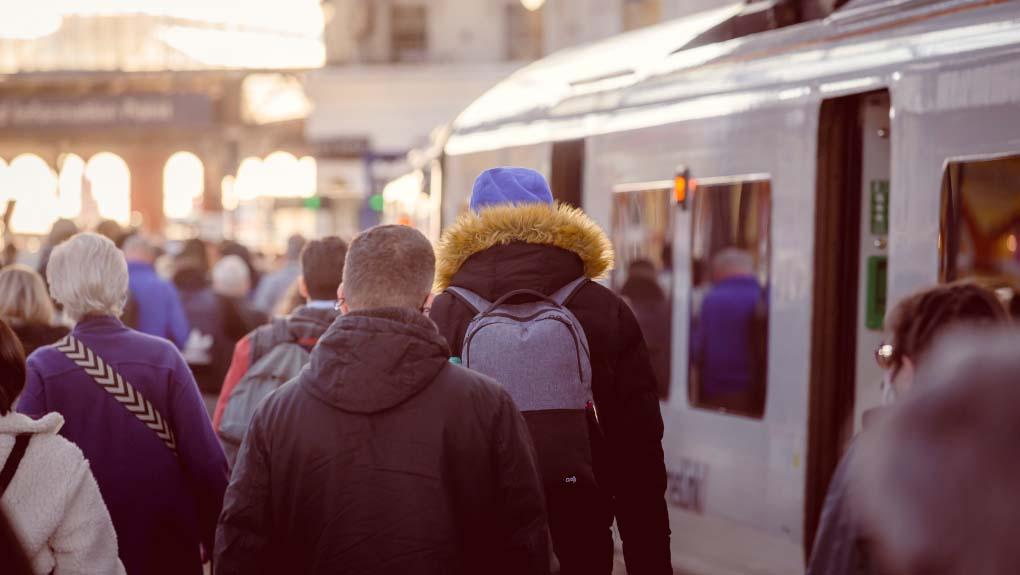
642, 231
981, 225
730, 296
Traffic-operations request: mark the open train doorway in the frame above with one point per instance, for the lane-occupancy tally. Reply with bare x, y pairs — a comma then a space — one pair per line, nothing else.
851, 234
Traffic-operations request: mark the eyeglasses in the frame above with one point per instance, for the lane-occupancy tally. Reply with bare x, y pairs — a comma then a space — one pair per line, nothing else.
884, 356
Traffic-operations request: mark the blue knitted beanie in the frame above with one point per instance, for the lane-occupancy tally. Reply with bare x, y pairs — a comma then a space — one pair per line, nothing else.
500, 186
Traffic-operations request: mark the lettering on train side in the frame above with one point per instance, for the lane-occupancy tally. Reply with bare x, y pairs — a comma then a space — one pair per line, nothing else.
685, 485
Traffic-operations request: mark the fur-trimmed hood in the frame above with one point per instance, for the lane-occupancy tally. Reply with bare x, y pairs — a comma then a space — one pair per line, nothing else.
561, 226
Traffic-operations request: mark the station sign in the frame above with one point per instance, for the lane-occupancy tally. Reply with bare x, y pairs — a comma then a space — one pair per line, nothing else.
176, 110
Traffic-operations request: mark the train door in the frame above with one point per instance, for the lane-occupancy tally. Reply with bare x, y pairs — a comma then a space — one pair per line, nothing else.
567, 174
851, 229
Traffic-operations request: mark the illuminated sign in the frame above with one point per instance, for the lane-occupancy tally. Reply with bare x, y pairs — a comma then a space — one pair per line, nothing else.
120, 111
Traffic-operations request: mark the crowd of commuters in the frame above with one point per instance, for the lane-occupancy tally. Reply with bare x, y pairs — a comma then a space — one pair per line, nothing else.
387, 406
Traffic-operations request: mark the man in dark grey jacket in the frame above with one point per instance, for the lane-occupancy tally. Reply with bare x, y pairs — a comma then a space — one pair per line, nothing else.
383, 457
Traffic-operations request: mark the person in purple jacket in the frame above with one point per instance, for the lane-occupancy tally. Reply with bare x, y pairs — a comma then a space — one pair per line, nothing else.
729, 338
162, 473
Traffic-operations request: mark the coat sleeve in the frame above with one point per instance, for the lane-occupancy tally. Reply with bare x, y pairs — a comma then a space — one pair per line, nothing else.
836, 550
199, 450
522, 517
32, 401
451, 317
85, 541
242, 538
632, 426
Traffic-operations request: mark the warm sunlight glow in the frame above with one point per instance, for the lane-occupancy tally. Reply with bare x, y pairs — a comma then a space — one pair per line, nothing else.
217, 33
228, 193
308, 177
72, 171
34, 186
29, 20
183, 185
532, 4
109, 181
251, 181
5, 192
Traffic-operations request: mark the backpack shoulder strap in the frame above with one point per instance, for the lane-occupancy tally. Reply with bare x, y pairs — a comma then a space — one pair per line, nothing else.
13, 460
567, 292
470, 298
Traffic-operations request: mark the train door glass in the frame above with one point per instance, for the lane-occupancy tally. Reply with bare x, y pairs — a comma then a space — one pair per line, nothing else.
981, 225
642, 234
730, 247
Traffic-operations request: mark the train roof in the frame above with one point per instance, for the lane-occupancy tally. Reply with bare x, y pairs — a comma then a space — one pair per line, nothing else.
650, 77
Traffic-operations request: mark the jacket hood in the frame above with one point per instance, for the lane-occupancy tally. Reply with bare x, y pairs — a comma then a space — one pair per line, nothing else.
15, 423
373, 360
559, 226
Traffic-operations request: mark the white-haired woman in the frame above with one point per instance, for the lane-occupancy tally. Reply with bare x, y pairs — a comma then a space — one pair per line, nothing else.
26, 307
131, 404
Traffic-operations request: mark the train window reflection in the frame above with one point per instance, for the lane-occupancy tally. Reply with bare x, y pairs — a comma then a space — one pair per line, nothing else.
730, 245
642, 231
980, 225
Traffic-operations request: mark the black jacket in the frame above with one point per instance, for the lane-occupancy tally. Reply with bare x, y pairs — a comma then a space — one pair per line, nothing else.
36, 335
384, 458
543, 249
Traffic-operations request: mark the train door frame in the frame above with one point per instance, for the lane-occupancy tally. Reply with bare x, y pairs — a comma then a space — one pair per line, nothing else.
566, 177
835, 313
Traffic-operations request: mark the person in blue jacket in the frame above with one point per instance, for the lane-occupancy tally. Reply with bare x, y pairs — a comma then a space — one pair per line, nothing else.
164, 495
728, 341
157, 305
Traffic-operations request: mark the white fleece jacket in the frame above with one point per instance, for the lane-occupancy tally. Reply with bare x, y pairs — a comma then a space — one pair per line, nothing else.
54, 504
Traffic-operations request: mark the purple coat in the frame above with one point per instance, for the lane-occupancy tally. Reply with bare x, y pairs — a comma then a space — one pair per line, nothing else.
162, 506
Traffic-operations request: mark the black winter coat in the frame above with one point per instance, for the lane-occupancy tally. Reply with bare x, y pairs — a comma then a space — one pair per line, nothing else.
543, 249
384, 458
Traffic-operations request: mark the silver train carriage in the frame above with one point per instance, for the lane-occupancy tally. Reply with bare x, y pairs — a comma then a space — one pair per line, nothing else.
852, 159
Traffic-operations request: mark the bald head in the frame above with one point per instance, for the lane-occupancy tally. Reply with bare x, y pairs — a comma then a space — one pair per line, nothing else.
388, 266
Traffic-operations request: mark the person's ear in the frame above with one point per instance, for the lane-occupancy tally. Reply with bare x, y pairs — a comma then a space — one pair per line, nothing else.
904, 379
341, 301
427, 306
302, 287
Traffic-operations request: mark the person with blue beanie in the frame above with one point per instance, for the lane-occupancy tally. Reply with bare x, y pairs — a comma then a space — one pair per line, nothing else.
516, 237
515, 186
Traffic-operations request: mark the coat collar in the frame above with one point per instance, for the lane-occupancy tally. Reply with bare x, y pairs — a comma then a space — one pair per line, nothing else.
14, 423
561, 226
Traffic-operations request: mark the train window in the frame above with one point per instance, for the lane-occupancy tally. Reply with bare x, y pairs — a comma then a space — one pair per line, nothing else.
730, 247
642, 232
980, 225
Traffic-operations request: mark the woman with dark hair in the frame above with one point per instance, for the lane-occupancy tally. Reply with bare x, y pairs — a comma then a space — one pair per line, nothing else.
46, 487
912, 327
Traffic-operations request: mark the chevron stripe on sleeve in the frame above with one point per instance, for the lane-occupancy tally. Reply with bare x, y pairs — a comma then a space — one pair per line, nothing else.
111, 381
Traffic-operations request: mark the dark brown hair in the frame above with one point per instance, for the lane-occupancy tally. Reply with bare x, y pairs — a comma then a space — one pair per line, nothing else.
12, 368
322, 266
918, 320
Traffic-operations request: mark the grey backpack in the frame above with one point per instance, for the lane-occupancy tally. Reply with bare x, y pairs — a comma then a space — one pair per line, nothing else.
279, 365
538, 352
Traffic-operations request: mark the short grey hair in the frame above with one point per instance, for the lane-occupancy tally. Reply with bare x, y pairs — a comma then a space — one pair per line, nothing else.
732, 261
137, 245
389, 266
88, 275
